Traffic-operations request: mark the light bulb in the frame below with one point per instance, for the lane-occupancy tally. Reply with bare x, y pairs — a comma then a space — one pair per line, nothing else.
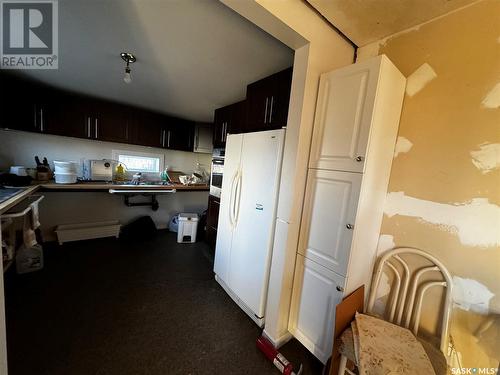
127, 78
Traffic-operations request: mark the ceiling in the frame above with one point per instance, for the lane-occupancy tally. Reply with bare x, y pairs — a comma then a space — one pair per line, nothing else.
366, 21
192, 56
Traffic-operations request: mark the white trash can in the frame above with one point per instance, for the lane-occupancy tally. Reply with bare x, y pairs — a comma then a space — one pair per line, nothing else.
188, 225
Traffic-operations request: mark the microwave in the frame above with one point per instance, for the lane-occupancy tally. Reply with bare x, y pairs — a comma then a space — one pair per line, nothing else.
98, 170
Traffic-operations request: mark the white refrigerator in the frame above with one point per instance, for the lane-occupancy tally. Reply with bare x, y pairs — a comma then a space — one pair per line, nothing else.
247, 217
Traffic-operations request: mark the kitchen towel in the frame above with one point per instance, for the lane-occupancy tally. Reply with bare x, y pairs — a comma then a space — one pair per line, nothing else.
29, 236
35, 220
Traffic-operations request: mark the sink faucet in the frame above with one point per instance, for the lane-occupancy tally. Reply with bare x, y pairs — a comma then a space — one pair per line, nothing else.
137, 178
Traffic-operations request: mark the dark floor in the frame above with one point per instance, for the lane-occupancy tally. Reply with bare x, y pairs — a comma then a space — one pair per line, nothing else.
113, 307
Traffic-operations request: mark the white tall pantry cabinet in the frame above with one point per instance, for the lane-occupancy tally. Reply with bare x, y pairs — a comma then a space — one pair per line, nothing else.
355, 130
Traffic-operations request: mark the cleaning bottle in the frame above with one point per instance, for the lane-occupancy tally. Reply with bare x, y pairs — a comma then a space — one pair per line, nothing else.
120, 173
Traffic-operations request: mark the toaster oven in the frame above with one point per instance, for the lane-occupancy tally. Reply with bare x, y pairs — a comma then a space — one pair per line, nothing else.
98, 170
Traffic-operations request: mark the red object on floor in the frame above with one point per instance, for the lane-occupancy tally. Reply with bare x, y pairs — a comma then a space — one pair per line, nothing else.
273, 355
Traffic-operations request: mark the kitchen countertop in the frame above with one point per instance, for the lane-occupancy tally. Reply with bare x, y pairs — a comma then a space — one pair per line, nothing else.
12, 201
92, 186
100, 186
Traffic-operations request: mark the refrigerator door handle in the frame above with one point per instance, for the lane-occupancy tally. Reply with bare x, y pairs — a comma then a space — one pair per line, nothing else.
231, 200
237, 198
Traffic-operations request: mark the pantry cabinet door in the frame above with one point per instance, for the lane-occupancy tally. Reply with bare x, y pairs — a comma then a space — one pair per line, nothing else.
327, 226
316, 293
344, 112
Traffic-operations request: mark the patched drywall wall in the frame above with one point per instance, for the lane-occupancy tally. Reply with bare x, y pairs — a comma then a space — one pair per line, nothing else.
444, 192
403, 145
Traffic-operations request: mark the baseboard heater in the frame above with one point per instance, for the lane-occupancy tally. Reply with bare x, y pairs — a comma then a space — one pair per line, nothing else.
87, 231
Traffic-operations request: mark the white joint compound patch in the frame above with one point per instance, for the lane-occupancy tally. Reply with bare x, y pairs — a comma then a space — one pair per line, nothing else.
487, 158
476, 222
471, 295
492, 99
419, 79
385, 242
403, 145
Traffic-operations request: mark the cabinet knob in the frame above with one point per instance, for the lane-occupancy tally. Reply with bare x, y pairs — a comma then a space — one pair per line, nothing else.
349, 226
339, 288
360, 158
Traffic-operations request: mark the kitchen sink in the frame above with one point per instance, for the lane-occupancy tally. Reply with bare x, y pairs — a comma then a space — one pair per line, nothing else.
7, 193
144, 183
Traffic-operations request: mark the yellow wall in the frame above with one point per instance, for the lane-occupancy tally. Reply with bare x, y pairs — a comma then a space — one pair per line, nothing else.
439, 199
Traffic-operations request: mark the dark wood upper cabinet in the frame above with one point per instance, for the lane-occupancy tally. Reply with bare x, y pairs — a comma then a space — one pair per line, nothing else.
17, 104
28, 106
111, 122
222, 119
157, 130
180, 135
148, 128
257, 105
229, 120
237, 122
265, 108
64, 114
267, 102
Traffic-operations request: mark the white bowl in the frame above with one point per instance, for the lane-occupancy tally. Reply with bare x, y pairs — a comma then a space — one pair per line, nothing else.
64, 166
65, 178
18, 170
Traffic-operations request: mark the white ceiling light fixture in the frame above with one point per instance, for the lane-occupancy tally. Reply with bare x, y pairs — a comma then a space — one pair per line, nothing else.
128, 58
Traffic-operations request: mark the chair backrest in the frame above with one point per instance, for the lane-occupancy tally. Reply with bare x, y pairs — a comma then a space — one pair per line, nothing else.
410, 284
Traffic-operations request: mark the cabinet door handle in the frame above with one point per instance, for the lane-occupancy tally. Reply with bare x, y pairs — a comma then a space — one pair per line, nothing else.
271, 110
265, 113
168, 139
88, 126
339, 288
96, 128
359, 158
197, 141
41, 119
162, 138
349, 226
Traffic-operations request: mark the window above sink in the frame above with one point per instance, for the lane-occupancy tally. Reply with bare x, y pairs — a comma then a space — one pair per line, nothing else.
145, 162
